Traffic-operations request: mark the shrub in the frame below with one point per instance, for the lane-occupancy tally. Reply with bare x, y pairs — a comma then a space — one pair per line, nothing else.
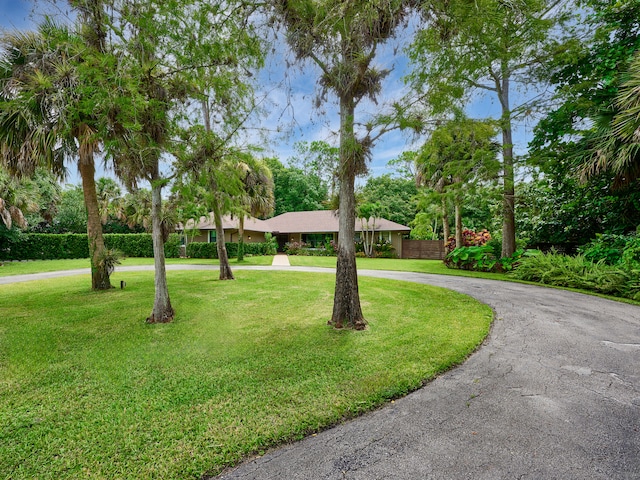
270, 244
384, 250
630, 258
484, 259
296, 248
172, 246
209, 250
470, 238
471, 258
578, 272
202, 250
605, 247
131, 245
45, 246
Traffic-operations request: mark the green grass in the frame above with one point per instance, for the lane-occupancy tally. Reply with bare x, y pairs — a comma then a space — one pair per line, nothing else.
37, 266
88, 390
406, 265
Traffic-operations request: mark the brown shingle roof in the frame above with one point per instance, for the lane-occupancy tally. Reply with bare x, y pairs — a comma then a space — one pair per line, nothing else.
318, 221
230, 223
322, 221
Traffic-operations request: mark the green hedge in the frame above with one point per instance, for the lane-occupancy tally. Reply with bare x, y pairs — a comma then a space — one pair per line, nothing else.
45, 246
48, 246
209, 250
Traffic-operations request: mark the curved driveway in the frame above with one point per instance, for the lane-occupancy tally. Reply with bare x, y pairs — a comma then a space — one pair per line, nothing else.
554, 393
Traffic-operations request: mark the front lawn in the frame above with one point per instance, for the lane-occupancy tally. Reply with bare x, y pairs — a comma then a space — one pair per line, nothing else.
37, 266
88, 390
397, 264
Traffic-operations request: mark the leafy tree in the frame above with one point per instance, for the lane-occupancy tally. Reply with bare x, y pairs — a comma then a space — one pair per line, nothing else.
295, 191
491, 46
320, 159
587, 78
45, 116
395, 195
341, 39
617, 149
405, 165
424, 226
457, 155
368, 213
256, 198
587, 74
173, 55
72, 215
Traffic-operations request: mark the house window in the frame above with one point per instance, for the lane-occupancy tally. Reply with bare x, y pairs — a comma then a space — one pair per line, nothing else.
317, 240
212, 236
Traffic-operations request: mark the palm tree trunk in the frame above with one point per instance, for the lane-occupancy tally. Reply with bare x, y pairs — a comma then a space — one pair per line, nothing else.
162, 310
241, 237
347, 311
223, 258
99, 271
458, 214
445, 221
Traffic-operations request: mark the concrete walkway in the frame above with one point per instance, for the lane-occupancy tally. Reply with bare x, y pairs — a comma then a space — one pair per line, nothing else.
281, 260
554, 393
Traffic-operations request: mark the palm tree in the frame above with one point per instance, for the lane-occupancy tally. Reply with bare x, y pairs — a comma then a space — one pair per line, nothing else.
460, 151
44, 119
256, 198
616, 148
16, 197
110, 200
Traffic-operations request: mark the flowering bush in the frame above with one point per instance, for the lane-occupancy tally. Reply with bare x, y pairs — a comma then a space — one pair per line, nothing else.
295, 248
384, 249
469, 239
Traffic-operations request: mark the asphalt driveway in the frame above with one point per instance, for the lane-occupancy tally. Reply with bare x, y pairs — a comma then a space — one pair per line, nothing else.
554, 393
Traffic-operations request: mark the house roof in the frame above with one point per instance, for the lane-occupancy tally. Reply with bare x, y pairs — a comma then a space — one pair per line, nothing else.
318, 221
230, 223
323, 221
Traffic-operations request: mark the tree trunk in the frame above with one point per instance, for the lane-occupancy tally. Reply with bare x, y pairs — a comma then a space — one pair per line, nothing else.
99, 271
508, 177
458, 214
223, 258
347, 312
241, 237
445, 221
162, 310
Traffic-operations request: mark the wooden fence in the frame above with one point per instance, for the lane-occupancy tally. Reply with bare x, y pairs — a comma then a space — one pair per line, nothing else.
423, 249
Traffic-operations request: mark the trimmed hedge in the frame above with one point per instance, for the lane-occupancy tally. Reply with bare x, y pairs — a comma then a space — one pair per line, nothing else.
46, 246
209, 250
53, 246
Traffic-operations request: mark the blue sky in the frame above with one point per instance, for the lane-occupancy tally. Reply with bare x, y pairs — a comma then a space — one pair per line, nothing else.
291, 115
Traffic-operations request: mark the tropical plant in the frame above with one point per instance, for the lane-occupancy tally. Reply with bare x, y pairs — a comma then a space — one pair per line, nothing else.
47, 114
617, 146
17, 197
457, 155
271, 244
256, 198
577, 272
368, 213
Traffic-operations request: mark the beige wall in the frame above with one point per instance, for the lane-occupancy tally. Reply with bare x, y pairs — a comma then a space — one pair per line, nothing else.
396, 241
230, 236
